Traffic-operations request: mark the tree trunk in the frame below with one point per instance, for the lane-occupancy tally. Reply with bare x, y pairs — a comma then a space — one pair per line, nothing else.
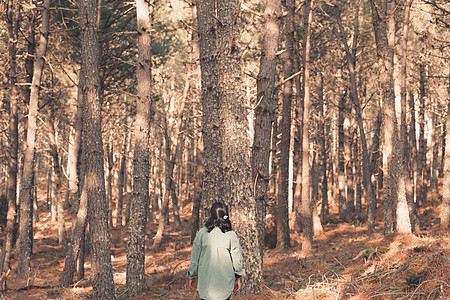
342, 204
103, 283
12, 25
264, 114
25, 217
421, 155
405, 204
121, 181
325, 211
283, 232
307, 202
213, 184
141, 158
348, 160
445, 208
381, 15
238, 192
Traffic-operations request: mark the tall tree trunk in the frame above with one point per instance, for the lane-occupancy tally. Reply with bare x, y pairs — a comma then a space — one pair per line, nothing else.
141, 158
25, 217
348, 159
325, 211
445, 208
421, 155
283, 232
213, 184
12, 14
405, 204
103, 283
264, 114
342, 202
237, 171
307, 202
381, 15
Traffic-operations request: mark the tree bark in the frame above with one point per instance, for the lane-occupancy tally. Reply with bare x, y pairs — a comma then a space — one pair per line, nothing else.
213, 184
103, 283
121, 181
235, 144
141, 159
445, 208
264, 114
342, 202
325, 211
421, 155
405, 204
307, 202
26, 211
381, 15
12, 13
283, 232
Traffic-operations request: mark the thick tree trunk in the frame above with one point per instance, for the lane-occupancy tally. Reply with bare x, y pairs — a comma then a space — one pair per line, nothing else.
141, 158
25, 217
283, 232
12, 25
237, 171
264, 114
213, 183
307, 202
94, 183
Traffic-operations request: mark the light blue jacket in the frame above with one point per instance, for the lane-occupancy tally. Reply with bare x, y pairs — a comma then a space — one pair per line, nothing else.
216, 259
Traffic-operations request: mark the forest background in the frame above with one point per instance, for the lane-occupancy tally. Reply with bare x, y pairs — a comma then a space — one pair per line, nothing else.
322, 124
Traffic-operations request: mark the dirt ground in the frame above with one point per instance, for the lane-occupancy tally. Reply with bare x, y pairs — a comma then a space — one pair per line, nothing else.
346, 264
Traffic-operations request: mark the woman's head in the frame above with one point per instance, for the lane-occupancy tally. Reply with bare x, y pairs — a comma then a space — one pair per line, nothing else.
218, 217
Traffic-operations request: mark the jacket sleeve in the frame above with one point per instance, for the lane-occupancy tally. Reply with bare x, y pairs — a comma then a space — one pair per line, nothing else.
195, 256
236, 256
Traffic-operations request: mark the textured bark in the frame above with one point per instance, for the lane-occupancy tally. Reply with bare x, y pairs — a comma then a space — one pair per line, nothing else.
264, 114
445, 208
213, 184
12, 26
26, 211
283, 232
102, 277
76, 244
405, 205
237, 171
141, 158
307, 202
382, 14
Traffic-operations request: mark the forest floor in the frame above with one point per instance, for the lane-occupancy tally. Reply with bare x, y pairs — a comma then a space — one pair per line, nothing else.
346, 264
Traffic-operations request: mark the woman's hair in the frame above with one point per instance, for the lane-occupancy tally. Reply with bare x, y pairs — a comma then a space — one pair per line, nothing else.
218, 217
